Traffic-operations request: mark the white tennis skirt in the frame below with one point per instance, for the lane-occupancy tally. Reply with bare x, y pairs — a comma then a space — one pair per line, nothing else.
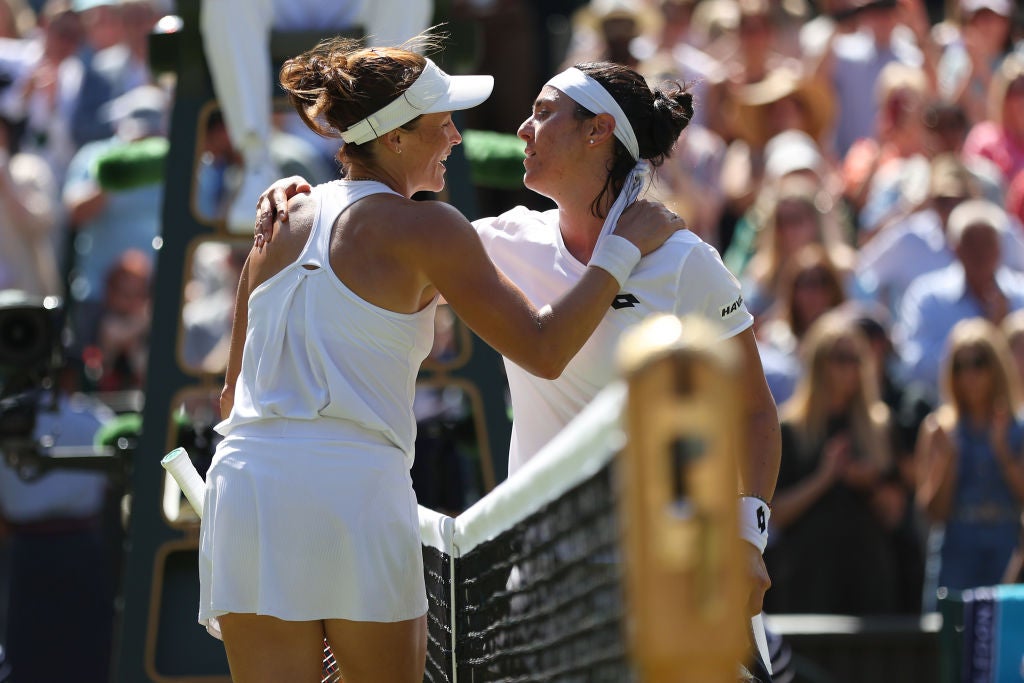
310, 529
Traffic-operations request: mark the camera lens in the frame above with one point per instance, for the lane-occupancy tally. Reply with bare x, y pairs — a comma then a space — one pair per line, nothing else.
22, 337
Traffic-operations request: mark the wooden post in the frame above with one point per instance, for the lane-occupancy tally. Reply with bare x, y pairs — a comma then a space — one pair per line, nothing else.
685, 584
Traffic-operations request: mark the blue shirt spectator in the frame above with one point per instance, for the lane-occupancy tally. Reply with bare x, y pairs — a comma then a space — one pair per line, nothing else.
976, 285
888, 264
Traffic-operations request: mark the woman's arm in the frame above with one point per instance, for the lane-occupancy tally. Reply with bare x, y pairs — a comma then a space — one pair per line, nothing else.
442, 244
791, 503
260, 266
438, 241
937, 460
1010, 464
760, 471
238, 325
764, 447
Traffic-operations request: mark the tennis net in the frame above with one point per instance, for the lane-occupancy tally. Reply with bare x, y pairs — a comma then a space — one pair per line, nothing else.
526, 585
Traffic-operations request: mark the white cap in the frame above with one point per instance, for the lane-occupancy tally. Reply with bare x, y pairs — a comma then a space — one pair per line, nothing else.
973, 212
1001, 7
141, 111
791, 151
143, 100
433, 92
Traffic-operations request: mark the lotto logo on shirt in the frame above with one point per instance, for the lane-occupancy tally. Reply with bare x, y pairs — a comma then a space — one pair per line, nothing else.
733, 307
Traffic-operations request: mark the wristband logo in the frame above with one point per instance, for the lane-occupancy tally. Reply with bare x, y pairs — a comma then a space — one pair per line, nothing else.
624, 300
762, 523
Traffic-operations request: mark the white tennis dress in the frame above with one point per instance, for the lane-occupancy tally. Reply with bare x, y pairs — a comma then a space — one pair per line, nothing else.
310, 512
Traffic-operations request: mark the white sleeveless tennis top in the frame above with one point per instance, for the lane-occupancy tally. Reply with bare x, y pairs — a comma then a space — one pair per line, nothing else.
316, 352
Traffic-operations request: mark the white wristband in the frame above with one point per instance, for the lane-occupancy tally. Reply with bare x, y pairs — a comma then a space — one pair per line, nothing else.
754, 516
617, 255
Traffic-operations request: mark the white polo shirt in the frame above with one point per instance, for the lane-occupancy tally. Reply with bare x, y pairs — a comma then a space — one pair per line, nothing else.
685, 276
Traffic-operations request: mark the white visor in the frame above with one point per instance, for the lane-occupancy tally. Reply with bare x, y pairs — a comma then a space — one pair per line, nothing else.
432, 92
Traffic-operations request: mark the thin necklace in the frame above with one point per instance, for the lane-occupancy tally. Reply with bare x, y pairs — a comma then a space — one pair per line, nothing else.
359, 178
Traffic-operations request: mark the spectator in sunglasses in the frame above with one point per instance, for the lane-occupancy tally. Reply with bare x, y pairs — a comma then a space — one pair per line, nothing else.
835, 451
969, 462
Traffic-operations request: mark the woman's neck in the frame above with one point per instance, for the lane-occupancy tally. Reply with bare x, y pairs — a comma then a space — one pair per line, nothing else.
838, 403
356, 171
977, 415
580, 229
579, 226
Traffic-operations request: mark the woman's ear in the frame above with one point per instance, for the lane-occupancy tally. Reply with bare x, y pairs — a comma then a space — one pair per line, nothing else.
601, 128
392, 141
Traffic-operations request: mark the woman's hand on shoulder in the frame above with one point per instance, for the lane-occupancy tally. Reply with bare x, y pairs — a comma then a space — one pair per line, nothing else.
289, 238
272, 206
648, 224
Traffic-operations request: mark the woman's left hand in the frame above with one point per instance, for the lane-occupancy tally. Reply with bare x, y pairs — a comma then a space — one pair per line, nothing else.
273, 206
648, 224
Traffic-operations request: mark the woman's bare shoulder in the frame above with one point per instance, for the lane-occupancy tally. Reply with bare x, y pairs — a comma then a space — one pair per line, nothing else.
416, 221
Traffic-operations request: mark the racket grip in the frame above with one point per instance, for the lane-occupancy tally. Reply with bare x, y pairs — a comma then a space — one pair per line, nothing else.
184, 472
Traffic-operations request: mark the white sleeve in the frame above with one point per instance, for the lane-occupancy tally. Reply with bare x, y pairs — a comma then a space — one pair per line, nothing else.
706, 287
236, 41
487, 229
878, 261
919, 334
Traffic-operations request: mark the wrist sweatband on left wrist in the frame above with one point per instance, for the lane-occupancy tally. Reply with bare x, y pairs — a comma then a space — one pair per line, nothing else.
616, 255
754, 516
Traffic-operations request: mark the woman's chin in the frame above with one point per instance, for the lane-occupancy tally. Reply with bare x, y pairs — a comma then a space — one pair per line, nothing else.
533, 183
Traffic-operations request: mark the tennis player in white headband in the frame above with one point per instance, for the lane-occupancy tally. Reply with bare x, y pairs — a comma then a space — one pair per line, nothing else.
582, 86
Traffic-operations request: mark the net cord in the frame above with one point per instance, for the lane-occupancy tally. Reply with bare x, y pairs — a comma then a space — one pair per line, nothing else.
579, 451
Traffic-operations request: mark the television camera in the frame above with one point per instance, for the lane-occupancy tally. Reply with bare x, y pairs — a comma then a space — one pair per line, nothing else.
31, 358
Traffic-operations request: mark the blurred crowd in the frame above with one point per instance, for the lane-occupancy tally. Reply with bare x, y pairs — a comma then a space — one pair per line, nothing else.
77, 100
859, 164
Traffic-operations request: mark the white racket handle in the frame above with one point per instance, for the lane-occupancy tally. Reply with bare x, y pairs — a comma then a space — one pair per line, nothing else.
761, 641
184, 472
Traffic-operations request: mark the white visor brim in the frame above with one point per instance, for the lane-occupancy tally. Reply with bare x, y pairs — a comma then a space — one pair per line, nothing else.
433, 92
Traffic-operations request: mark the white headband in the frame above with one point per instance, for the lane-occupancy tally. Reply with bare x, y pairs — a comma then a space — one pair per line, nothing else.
433, 91
593, 97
